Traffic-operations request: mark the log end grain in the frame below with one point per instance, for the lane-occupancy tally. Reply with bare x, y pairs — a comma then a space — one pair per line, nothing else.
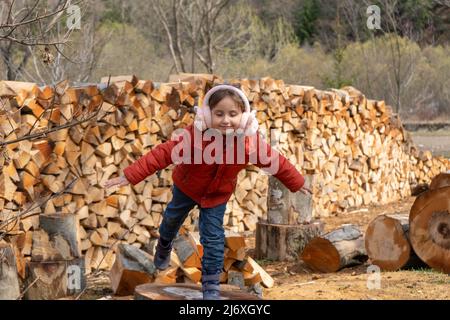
321, 255
386, 243
430, 228
181, 291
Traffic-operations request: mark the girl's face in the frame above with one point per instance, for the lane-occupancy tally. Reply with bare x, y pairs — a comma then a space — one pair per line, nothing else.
226, 115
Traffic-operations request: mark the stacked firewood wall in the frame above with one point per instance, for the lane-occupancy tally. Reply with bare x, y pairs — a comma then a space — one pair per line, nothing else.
355, 148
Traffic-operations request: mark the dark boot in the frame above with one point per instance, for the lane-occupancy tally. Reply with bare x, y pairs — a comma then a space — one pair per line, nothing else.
211, 286
162, 254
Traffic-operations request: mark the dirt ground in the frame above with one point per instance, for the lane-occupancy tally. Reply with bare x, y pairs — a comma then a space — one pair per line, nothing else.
294, 281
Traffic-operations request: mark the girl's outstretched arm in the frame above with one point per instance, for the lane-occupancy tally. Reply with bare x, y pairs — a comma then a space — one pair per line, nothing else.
119, 181
156, 159
270, 160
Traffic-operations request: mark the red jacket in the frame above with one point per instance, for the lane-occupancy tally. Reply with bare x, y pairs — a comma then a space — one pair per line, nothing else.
212, 184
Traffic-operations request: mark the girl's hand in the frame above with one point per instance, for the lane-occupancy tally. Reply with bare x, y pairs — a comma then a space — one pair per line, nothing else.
120, 181
305, 190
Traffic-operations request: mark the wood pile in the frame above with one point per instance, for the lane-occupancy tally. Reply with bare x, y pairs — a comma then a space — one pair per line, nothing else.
356, 149
134, 266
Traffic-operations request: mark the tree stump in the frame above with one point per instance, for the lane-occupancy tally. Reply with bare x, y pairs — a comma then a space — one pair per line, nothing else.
284, 242
289, 225
429, 221
182, 291
343, 247
387, 243
9, 280
55, 279
56, 263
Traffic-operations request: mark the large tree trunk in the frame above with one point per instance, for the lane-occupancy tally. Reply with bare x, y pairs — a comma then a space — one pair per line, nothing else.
387, 243
181, 291
340, 248
430, 228
9, 280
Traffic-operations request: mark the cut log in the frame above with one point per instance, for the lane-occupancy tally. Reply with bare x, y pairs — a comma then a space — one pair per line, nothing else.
49, 249
181, 291
266, 279
429, 221
186, 250
387, 243
285, 207
192, 273
440, 181
168, 276
131, 268
238, 255
55, 279
284, 242
234, 241
66, 225
343, 247
9, 280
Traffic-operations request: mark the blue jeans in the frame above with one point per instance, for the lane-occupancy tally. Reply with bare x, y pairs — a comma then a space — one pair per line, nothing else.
212, 235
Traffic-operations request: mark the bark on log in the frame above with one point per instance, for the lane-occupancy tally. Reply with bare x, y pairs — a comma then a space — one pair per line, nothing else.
181, 291
387, 243
280, 242
429, 221
285, 207
343, 247
9, 280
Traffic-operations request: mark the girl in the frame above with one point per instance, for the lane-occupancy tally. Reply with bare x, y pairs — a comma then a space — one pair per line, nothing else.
209, 182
